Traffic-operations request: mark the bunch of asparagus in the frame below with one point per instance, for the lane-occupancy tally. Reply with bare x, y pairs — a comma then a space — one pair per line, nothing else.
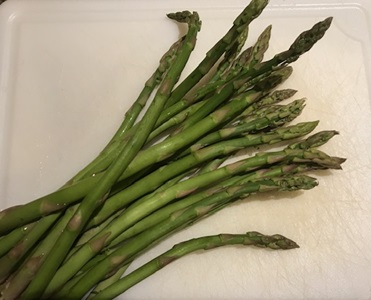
176, 165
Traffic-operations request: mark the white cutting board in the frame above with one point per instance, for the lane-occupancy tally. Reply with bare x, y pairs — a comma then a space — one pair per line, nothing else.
70, 69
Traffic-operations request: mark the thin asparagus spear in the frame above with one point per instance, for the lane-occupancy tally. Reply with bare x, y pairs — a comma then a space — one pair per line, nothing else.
253, 238
278, 116
263, 87
9, 261
180, 219
273, 98
100, 192
247, 60
251, 12
134, 111
175, 120
109, 281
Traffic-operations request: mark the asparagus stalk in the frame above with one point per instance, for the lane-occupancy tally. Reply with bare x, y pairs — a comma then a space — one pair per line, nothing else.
253, 238
8, 241
134, 111
263, 87
176, 220
16, 217
21, 249
251, 12
109, 281
158, 216
247, 60
100, 192
193, 159
271, 99
144, 207
316, 140
274, 118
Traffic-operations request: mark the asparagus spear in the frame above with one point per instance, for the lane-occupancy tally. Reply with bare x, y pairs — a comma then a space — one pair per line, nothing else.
271, 99
8, 241
180, 219
144, 207
193, 159
246, 60
100, 192
267, 119
163, 213
263, 87
316, 140
15, 217
252, 238
251, 12
134, 111
21, 215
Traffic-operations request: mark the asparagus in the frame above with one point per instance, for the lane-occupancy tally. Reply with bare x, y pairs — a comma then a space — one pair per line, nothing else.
161, 214
8, 241
180, 219
251, 12
109, 281
317, 139
262, 87
271, 99
193, 159
274, 118
302, 44
247, 60
16, 217
141, 208
134, 111
253, 238
21, 249
100, 192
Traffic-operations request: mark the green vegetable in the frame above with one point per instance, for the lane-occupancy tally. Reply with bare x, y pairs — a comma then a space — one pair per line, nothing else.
181, 162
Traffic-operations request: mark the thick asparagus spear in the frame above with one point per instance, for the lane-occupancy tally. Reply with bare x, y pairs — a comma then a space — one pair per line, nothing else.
100, 192
253, 238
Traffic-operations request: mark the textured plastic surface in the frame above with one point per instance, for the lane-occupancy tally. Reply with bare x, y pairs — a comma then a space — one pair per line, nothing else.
69, 71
